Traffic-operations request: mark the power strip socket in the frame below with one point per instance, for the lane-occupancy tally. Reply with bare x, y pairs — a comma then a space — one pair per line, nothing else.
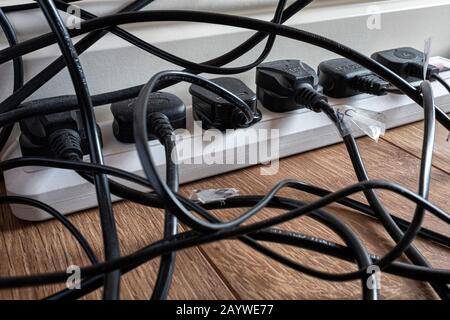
296, 132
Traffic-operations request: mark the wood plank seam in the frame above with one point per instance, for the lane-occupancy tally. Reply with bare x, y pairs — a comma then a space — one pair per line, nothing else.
414, 155
220, 274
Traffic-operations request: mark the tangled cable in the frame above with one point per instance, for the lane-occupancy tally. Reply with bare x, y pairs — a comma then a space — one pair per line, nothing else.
205, 227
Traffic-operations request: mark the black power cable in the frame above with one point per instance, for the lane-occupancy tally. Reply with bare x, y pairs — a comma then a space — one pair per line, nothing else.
162, 129
196, 67
58, 216
11, 36
111, 242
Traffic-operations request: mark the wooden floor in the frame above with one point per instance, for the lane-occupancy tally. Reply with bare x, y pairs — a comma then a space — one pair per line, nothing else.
230, 270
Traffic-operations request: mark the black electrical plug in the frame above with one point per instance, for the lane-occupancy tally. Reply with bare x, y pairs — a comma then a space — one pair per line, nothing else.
60, 135
287, 85
163, 103
406, 62
342, 78
218, 113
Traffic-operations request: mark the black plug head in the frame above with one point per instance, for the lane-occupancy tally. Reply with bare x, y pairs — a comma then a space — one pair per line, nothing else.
342, 78
41, 135
407, 62
37, 129
217, 112
159, 102
278, 82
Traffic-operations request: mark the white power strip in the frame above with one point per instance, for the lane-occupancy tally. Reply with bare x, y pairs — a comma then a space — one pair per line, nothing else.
299, 131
